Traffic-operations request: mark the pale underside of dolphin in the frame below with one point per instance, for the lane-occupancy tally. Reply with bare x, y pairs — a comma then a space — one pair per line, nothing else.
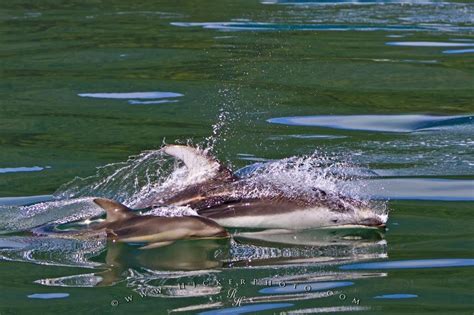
219, 195
123, 225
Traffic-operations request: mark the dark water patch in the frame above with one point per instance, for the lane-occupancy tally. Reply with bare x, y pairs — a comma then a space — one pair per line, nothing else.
420, 189
411, 264
397, 296
48, 296
459, 51
247, 309
379, 123
132, 95
429, 44
305, 287
22, 169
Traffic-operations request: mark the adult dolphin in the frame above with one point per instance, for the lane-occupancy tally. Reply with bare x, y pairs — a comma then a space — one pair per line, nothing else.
216, 193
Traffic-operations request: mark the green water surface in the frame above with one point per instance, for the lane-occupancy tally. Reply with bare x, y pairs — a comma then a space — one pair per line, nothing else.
52, 51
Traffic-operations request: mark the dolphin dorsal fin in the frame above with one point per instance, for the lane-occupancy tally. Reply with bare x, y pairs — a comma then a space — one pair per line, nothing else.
201, 166
115, 210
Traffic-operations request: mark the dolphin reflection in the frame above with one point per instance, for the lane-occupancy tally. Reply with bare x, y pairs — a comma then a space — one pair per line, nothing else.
186, 255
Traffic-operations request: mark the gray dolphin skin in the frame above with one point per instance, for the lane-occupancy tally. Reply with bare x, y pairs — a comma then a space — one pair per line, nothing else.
216, 193
123, 225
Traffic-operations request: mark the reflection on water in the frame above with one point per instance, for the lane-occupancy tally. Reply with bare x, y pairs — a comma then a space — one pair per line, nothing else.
309, 286
411, 264
183, 256
348, 15
262, 26
305, 136
135, 98
54, 251
380, 123
458, 51
16, 218
135, 102
22, 169
132, 95
248, 309
322, 2
194, 268
300, 57
429, 44
48, 296
22, 201
420, 189
335, 309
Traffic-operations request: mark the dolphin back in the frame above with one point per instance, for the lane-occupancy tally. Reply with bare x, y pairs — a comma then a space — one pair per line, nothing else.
115, 210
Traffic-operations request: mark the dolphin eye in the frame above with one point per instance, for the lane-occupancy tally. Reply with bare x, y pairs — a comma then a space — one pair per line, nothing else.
334, 220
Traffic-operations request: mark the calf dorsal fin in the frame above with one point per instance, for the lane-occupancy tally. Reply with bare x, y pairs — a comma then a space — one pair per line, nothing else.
115, 210
199, 163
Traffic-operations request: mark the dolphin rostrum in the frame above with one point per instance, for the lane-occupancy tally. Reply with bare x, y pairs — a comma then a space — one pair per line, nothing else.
123, 225
216, 193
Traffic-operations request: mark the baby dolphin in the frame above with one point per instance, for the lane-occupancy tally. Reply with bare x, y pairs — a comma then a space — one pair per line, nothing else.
123, 225
216, 193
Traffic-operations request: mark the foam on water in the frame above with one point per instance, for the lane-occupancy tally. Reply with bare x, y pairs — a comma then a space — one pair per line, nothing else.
303, 177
